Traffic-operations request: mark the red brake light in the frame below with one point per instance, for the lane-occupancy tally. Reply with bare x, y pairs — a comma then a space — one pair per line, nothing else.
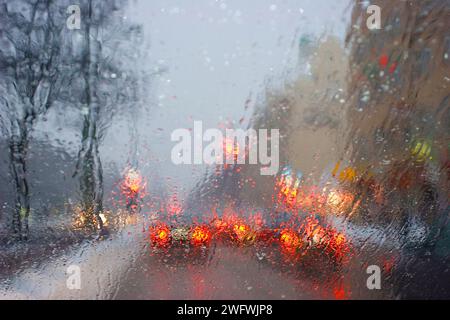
160, 235
201, 235
240, 230
289, 239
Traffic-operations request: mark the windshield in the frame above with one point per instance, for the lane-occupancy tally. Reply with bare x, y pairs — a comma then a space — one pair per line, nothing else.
224, 149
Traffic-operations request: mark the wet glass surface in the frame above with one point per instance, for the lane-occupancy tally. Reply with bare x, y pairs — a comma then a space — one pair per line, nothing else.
224, 149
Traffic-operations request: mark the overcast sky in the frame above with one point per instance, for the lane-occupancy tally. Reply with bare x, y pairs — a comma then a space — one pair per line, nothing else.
217, 55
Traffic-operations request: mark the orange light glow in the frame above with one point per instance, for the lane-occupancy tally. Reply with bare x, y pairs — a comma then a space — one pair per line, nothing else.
132, 183
241, 230
339, 239
289, 239
201, 235
160, 235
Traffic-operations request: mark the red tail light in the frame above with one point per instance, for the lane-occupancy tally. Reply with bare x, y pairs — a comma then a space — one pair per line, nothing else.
241, 230
160, 235
200, 235
289, 239
339, 239
132, 183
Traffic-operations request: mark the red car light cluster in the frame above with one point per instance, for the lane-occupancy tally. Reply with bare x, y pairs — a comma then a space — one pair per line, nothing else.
310, 235
160, 235
240, 230
132, 183
289, 239
200, 235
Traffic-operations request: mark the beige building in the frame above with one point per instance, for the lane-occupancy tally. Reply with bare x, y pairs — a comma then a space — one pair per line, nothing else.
398, 118
310, 113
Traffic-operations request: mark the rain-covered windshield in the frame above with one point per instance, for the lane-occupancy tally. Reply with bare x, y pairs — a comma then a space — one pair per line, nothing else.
224, 149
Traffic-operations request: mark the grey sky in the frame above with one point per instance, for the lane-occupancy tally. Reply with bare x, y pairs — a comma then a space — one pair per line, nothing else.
217, 54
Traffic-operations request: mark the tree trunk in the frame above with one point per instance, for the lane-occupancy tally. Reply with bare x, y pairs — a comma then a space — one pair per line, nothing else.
91, 180
89, 162
18, 151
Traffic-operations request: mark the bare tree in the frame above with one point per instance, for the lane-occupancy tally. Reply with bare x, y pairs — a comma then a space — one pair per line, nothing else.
110, 84
30, 82
43, 64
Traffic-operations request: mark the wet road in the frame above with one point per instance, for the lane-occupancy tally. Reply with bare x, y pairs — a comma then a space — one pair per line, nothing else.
126, 266
230, 272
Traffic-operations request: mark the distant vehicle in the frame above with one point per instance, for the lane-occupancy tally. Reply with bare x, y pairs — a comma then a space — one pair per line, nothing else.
307, 238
